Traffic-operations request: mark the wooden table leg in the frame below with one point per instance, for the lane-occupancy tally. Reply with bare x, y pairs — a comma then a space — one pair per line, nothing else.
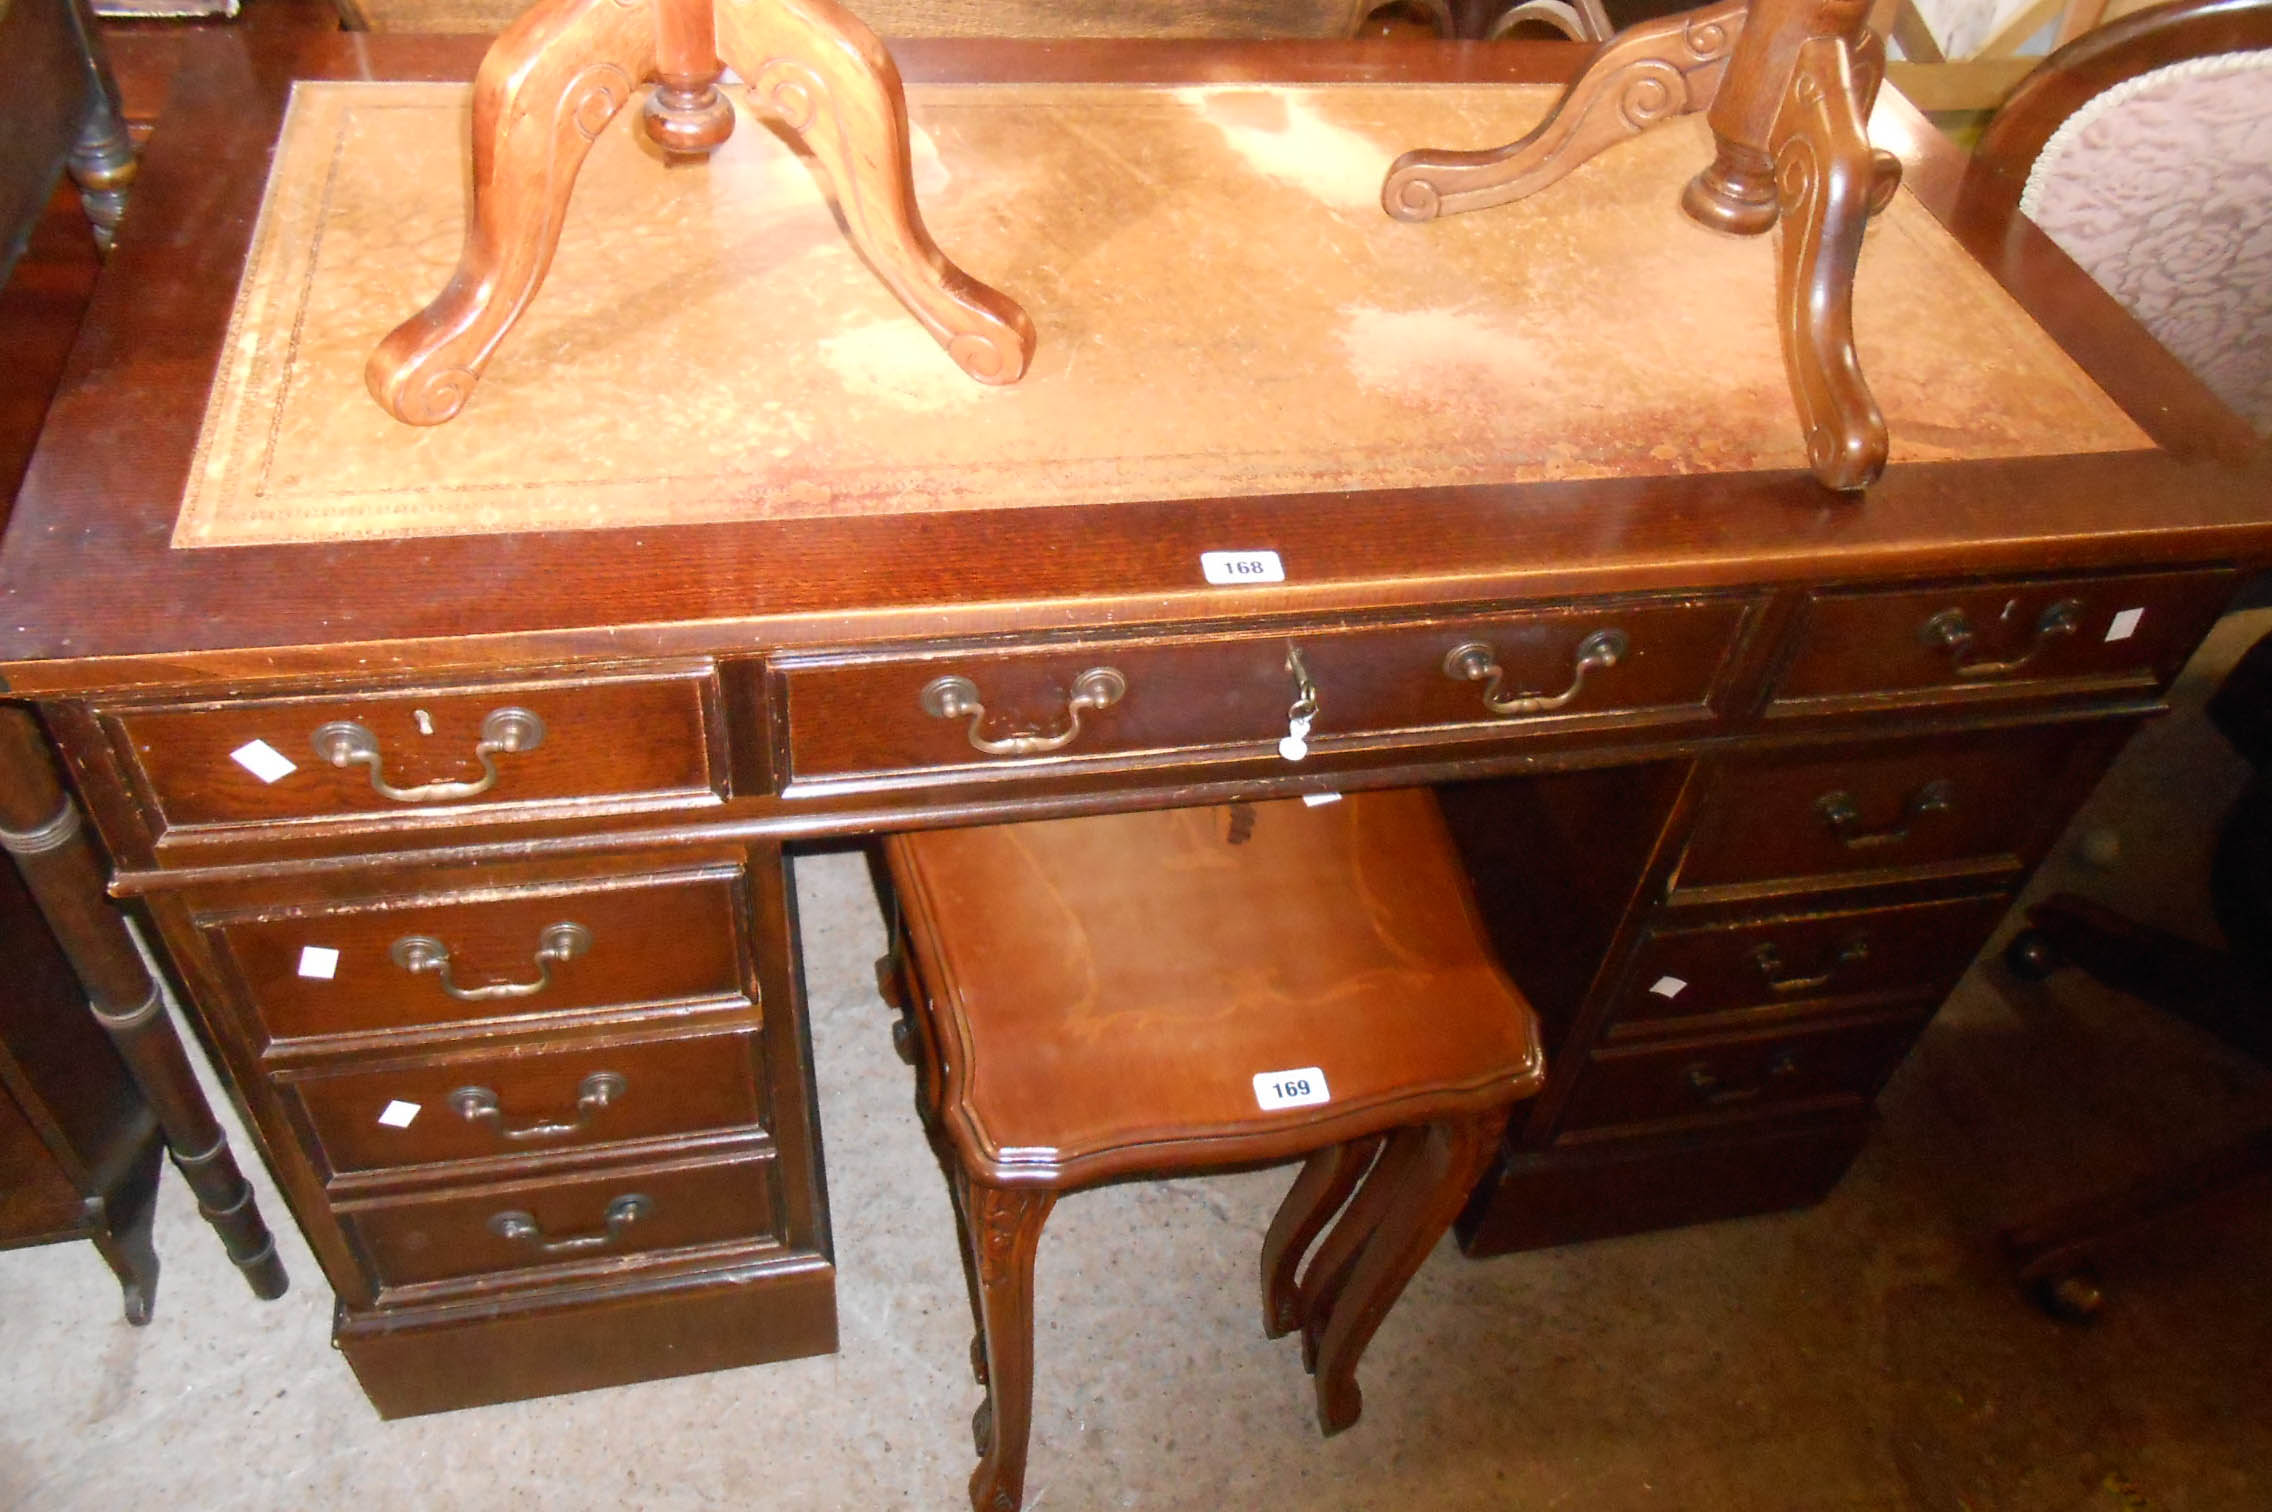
1790, 125
1447, 1160
817, 70
1790, 84
1335, 1262
545, 89
1003, 1225
41, 827
560, 73
1327, 1179
1647, 75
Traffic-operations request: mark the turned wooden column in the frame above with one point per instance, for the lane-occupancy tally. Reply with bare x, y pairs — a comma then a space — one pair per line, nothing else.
41, 827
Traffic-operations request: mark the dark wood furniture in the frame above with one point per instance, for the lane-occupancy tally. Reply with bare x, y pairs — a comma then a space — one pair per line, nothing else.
1842, 736
44, 833
1124, 995
79, 1147
2224, 992
59, 110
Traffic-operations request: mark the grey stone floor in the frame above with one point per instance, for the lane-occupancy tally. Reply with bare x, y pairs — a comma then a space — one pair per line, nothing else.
1868, 1353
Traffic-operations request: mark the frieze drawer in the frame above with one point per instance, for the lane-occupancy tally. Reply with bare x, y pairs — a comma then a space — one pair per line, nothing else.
565, 1096
592, 1218
498, 953
958, 713
652, 739
1980, 804
2124, 634
1795, 963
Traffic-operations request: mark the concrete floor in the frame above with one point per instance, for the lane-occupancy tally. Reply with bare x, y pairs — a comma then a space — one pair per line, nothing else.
1869, 1353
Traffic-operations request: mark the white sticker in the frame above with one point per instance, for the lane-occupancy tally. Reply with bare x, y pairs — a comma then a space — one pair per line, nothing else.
2125, 624
1319, 800
1242, 567
263, 760
1299, 1088
320, 962
398, 1114
1667, 986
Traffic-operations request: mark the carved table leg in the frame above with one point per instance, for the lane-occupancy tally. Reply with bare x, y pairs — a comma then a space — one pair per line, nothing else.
1647, 75
41, 827
546, 88
1004, 1230
1448, 1160
1325, 1183
815, 68
1335, 1262
1827, 183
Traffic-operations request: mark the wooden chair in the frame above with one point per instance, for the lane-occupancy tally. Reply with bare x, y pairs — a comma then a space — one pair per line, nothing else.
1139, 994
2141, 152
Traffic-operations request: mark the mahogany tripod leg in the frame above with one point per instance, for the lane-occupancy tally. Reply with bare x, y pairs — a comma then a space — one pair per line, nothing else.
546, 88
816, 69
1642, 77
41, 827
1827, 182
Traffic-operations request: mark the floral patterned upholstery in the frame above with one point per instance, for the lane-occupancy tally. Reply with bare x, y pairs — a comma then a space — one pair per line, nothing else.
2161, 188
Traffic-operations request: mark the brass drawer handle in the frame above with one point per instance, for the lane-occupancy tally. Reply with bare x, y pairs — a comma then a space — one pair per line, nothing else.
1712, 1092
505, 731
522, 1228
1841, 813
1477, 662
957, 698
422, 954
595, 1092
1769, 960
1952, 632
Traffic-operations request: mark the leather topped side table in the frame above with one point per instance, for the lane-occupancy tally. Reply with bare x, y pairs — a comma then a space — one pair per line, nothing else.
1143, 994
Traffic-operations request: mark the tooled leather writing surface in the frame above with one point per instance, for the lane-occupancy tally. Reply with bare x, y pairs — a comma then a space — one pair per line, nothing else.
1224, 308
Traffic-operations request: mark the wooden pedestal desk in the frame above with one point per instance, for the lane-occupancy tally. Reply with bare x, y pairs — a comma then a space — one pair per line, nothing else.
486, 825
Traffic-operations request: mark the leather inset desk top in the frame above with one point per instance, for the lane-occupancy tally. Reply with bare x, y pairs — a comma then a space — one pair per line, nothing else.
1224, 310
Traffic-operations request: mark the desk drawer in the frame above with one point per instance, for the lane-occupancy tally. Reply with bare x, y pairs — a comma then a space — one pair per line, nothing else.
1739, 1076
652, 738
1818, 962
497, 953
2122, 634
564, 1096
958, 712
512, 1226
1980, 803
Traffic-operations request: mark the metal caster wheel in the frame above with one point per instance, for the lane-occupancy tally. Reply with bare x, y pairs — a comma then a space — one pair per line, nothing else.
2070, 1296
2031, 956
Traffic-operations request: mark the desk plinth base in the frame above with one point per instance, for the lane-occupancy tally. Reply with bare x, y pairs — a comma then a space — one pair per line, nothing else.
1537, 1199
412, 1361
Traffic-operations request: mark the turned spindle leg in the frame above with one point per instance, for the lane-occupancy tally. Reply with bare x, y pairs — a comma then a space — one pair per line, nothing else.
41, 827
686, 116
1326, 1181
820, 73
1003, 1227
1446, 1161
547, 87
1646, 75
